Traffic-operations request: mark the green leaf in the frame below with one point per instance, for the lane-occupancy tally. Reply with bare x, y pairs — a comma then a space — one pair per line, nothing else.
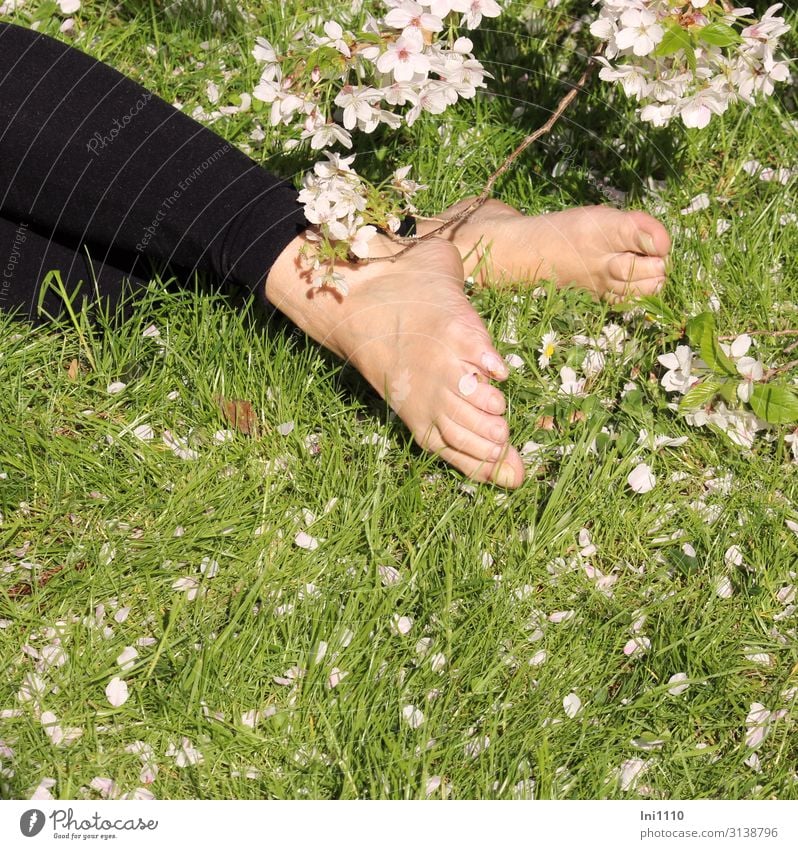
700, 331
774, 404
696, 325
676, 38
656, 307
719, 34
700, 394
712, 354
728, 391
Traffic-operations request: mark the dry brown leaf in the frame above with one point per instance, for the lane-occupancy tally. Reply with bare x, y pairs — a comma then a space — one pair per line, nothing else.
73, 370
545, 423
239, 415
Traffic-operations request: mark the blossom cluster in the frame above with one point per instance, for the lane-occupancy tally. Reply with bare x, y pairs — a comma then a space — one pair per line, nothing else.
685, 370
387, 72
689, 60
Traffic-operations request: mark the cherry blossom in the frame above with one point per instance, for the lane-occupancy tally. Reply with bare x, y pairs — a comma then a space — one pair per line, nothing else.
640, 31
411, 15
679, 377
641, 479
474, 10
404, 58
693, 78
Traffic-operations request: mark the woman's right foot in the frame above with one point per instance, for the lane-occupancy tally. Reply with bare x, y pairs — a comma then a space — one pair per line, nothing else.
409, 329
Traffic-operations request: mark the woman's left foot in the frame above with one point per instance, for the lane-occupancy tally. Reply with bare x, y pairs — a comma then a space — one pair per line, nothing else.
610, 252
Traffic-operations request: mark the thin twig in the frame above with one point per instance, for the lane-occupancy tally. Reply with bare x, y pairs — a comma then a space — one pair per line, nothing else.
760, 333
475, 204
774, 372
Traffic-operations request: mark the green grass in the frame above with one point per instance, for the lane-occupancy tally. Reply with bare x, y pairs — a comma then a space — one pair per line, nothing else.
122, 519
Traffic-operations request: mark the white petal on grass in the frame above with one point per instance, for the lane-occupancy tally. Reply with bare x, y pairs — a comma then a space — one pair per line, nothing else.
561, 616
757, 725
538, 658
637, 646
51, 727
630, 771
641, 479
151, 332
250, 718
143, 432
42, 792
222, 436
699, 202
121, 615
389, 575
116, 692
127, 658
514, 361
185, 754
210, 568
476, 746
678, 683
433, 783
401, 625
106, 787
68, 7
179, 446
188, 585
423, 645
285, 428
724, 587
437, 662
53, 655
115, 388
306, 541
412, 716
335, 678
572, 704
733, 556
107, 554
760, 657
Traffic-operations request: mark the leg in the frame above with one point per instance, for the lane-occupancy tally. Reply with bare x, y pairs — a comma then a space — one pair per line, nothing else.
27, 257
87, 155
92, 157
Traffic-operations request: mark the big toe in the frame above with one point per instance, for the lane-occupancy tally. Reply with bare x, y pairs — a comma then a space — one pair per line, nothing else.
643, 234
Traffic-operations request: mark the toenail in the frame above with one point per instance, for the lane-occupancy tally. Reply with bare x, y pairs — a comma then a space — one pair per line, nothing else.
646, 243
496, 405
495, 452
505, 476
493, 364
498, 432
468, 384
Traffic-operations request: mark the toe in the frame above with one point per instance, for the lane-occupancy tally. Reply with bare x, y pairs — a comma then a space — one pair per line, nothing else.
485, 397
507, 472
463, 439
629, 267
485, 425
644, 234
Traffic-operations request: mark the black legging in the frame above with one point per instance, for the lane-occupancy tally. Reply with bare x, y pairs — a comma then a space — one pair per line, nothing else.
104, 181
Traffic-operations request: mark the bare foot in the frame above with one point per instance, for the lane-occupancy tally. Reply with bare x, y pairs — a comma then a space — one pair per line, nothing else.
610, 252
409, 329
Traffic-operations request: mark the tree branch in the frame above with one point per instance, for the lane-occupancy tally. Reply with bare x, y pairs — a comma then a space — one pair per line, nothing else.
464, 213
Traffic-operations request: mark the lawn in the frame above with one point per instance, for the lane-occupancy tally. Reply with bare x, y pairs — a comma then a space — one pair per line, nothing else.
204, 505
